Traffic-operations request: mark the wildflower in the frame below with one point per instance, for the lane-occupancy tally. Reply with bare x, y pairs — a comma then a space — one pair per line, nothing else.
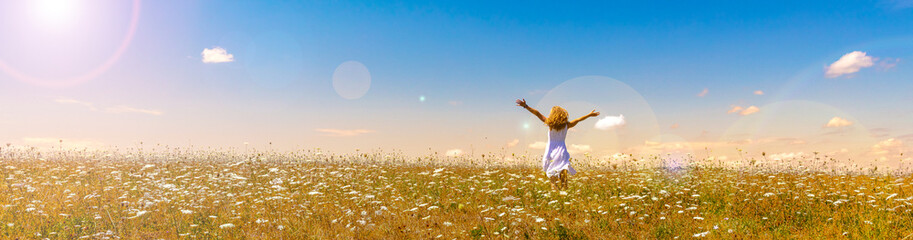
226, 226
276, 181
140, 213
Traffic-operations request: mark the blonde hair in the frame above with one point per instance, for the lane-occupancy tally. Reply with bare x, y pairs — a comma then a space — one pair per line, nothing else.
557, 119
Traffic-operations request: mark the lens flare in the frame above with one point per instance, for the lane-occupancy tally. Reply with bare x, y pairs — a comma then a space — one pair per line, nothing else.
351, 80
794, 126
63, 12
54, 13
608, 96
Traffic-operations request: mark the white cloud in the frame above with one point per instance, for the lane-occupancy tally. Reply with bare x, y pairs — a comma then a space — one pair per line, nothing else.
888, 63
837, 122
787, 156
77, 102
579, 148
758, 92
126, 109
678, 146
743, 111
664, 146
610, 122
749, 111
216, 55
513, 143
848, 64
537, 145
888, 146
342, 132
703, 93
454, 152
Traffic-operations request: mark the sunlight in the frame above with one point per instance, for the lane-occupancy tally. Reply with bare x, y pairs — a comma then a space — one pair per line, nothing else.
53, 21
351, 80
54, 13
612, 97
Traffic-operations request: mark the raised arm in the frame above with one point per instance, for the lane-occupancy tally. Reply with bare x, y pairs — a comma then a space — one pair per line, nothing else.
578, 120
522, 103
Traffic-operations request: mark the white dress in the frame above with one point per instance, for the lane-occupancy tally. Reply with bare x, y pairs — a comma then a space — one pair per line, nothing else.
556, 157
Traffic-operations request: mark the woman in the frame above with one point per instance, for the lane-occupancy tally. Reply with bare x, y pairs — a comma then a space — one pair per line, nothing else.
556, 162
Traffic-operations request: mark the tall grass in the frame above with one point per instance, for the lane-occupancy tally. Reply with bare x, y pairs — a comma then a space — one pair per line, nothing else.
176, 193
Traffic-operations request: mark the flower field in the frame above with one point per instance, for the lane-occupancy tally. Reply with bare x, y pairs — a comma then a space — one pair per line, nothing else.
310, 195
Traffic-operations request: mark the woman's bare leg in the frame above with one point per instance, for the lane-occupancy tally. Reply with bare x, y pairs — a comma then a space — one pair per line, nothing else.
563, 177
554, 180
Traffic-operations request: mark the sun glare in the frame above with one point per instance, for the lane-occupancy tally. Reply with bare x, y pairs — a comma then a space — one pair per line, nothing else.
55, 13
65, 23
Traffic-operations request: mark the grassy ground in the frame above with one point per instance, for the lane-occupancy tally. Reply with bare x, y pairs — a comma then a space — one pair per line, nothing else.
301, 196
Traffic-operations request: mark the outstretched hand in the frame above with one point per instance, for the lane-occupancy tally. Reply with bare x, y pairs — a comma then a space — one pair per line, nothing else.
521, 102
594, 113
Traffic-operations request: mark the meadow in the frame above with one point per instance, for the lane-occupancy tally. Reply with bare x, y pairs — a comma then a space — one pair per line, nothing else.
309, 194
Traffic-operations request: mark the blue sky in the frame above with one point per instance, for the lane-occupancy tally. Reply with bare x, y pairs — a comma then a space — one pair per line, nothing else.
470, 59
